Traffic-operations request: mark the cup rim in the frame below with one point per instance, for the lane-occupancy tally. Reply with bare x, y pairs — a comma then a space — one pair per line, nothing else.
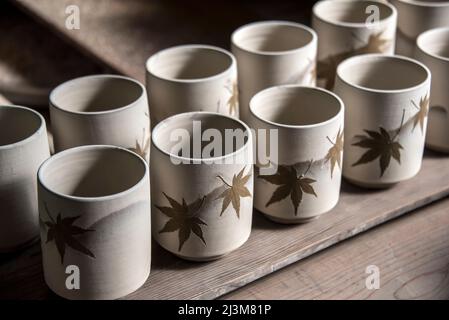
427, 33
150, 62
62, 86
200, 160
355, 59
70, 151
425, 3
32, 136
304, 126
353, 24
279, 23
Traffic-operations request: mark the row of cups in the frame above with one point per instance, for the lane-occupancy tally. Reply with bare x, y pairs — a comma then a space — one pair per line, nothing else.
93, 194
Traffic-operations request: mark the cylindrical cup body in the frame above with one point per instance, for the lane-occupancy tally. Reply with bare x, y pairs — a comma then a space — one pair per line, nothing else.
23, 147
202, 205
101, 109
346, 28
386, 114
415, 17
192, 78
300, 180
433, 50
94, 206
272, 53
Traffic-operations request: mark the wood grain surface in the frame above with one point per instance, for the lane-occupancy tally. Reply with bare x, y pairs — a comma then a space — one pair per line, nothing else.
412, 254
270, 247
123, 34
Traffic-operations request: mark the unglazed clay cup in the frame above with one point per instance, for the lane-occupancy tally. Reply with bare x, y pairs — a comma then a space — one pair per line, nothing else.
94, 207
192, 78
23, 147
306, 178
101, 109
415, 17
386, 99
272, 53
345, 29
202, 197
432, 49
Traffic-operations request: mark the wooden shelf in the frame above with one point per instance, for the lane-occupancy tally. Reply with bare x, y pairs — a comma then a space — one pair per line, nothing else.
270, 247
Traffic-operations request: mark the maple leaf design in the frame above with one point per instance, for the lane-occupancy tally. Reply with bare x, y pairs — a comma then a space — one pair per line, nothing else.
380, 145
376, 44
233, 101
327, 68
62, 232
334, 154
423, 110
143, 148
233, 192
290, 184
183, 219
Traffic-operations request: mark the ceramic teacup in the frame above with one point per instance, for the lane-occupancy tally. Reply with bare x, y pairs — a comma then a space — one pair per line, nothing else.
432, 49
387, 100
192, 78
101, 109
23, 147
94, 207
272, 53
305, 182
415, 17
202, 184
349, 27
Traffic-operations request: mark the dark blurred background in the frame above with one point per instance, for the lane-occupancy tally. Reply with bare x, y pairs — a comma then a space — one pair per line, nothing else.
38, 51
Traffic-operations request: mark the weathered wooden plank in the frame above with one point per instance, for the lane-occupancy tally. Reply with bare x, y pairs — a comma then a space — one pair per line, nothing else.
412, 254
270, 247
123, 34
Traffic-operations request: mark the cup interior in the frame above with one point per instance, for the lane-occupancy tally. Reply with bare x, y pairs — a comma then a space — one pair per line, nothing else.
272, 36
17, 124
96, 94
189, 63
435, 43
295, 105
350, 12
191, 133
93, 171
381, 72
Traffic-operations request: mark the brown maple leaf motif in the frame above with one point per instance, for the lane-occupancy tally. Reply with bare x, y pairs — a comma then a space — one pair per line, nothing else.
182, 218
327, 68
376, 44
423, 110
380, 145
290, 184
62, 232
142, 148
233, 101
233, 192
334, 154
